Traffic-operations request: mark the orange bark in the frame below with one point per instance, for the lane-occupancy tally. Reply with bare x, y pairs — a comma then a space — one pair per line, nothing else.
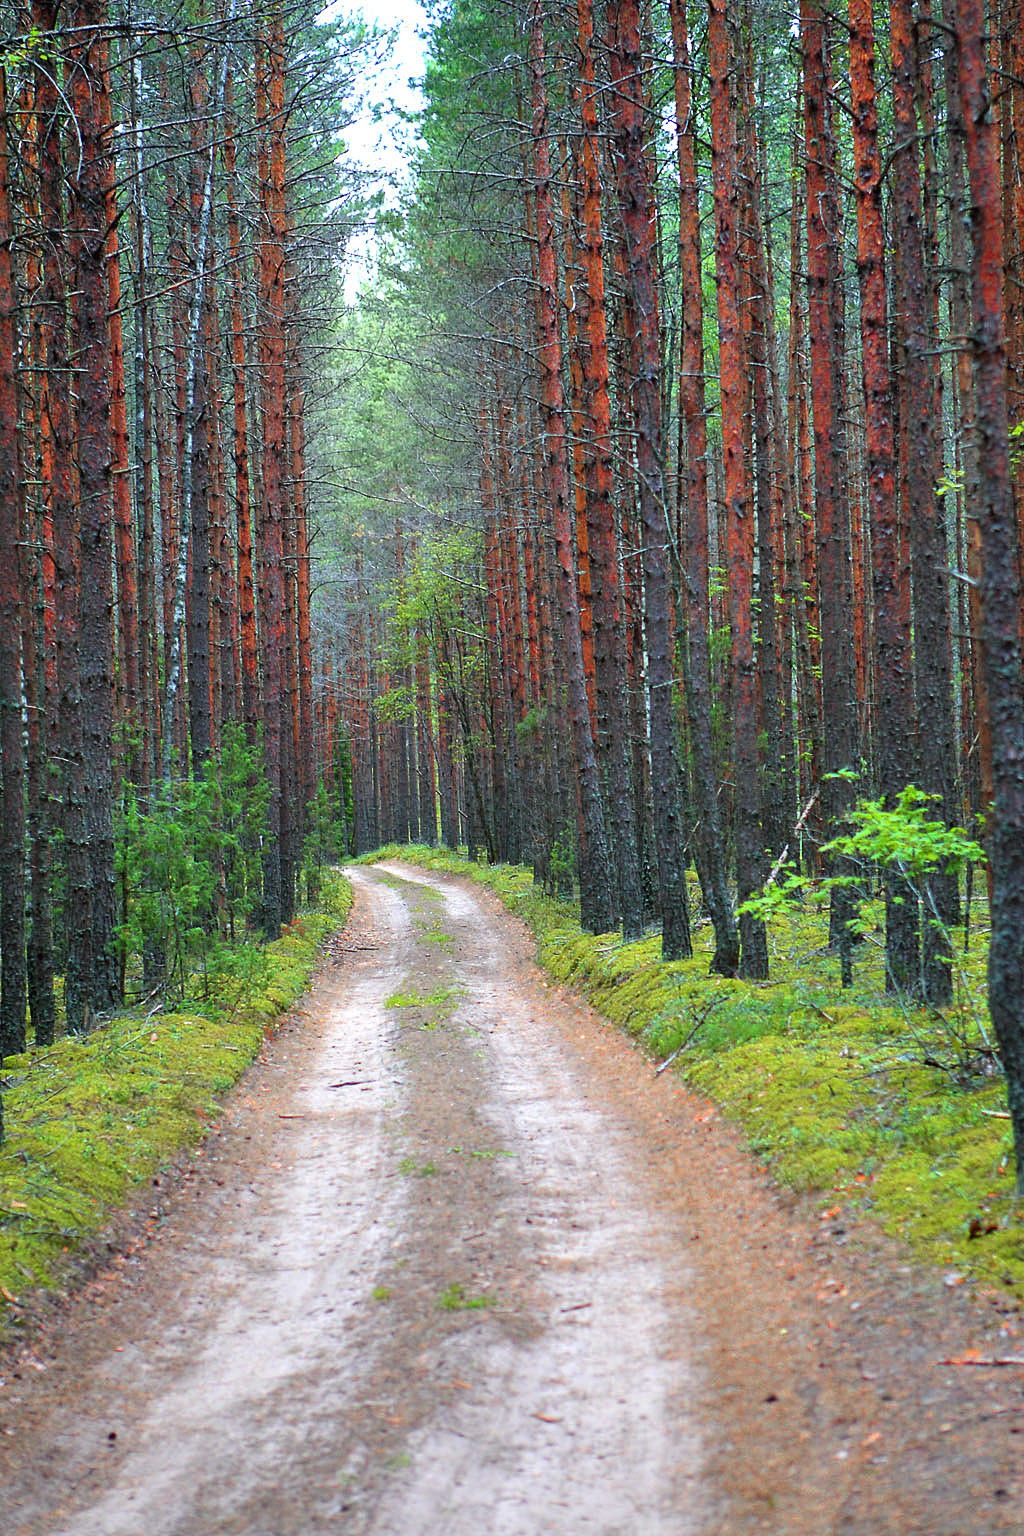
240, 444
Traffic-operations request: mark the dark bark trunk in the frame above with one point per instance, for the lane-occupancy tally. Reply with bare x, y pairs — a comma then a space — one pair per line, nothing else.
999, 579
839, 722
13, 975
920, 408
91, 360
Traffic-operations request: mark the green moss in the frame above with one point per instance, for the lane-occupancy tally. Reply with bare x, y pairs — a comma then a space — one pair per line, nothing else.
87, 1118
832, 1088
455, 1298
441, 998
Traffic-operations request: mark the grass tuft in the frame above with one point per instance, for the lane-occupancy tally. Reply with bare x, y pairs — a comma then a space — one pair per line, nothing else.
88, 1118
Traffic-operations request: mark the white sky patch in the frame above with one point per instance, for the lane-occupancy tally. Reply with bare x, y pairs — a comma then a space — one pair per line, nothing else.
379, 140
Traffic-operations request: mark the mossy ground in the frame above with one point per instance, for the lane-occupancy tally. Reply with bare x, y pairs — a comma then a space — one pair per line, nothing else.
87, 1118
894, 1111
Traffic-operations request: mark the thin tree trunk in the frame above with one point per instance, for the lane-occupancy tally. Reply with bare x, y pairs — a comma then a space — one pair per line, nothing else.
271, 259
13, 974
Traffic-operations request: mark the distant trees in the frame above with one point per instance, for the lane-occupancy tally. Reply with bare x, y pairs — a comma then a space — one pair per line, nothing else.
750, 503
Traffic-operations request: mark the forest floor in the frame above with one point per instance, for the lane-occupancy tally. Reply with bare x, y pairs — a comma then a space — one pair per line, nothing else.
456, 1261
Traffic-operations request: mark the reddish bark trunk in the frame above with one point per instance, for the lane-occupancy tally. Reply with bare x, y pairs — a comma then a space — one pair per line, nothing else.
271, 258
240, 445
892, 658
597, 903
577, 304
609, 658
722, 62
129, 688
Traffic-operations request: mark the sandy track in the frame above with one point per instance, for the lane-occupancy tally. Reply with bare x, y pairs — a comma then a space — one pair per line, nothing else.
454, 1262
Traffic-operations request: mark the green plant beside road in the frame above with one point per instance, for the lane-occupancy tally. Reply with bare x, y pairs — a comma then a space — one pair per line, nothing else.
91, 1116
897, 1111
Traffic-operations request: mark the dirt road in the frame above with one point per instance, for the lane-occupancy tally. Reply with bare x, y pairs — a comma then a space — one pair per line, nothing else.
456, 1263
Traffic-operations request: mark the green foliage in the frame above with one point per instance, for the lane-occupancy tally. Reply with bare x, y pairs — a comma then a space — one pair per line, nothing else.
561, 864
326, 833
775, 900
190, 863
905, 837
395, 706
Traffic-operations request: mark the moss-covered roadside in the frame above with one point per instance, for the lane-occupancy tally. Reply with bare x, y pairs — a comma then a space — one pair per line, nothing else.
843, 1094
89, 1117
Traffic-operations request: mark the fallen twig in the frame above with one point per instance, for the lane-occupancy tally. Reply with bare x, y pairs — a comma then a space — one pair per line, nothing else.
704, 1015
784, 855
983, 1360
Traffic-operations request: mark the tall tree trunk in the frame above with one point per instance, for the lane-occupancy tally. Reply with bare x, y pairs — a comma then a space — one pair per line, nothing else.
59, 490
921, 409
634, 196
596, 887
693, 554
13, 976
839, 717
750, 871
271, 259
609, 646
759, 309
999, 579
126, 563
240, 442
892, 658
92, 361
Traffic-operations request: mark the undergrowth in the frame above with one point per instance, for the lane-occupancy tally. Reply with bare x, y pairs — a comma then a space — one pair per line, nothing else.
92, 1115
851, 1095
